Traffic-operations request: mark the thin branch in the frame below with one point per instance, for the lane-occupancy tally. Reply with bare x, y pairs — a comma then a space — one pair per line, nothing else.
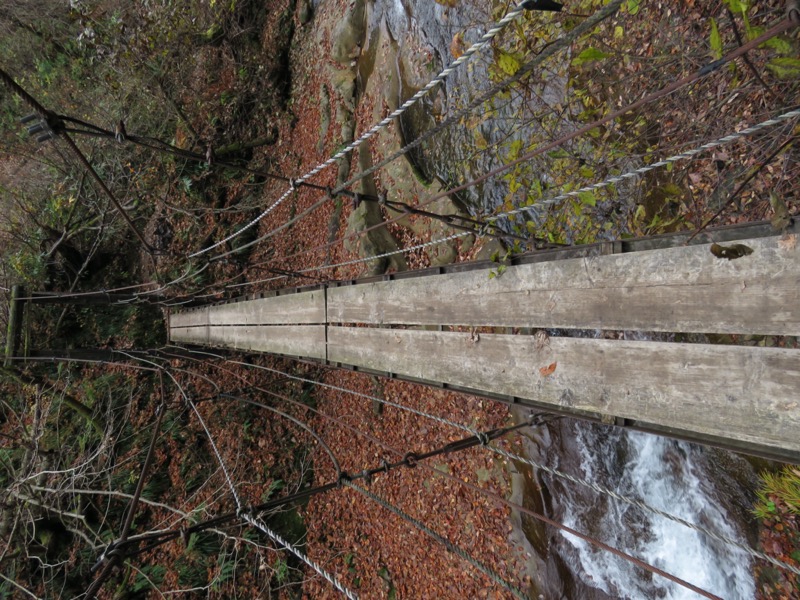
19, 587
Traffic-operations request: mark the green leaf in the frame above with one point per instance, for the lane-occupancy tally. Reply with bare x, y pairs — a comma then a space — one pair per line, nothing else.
716, 40
560, 153
514, 149
589, 55
737, 6
785, 67
780, 45
633, 6
480, 141
507, 63
588, 198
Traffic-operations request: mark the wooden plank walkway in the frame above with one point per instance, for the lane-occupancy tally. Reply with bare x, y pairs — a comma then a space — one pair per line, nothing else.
424, 328
684, 289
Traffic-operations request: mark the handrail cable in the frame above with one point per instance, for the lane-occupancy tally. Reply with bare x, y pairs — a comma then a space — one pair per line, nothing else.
497, 497
409, 460
688, 154
275, 536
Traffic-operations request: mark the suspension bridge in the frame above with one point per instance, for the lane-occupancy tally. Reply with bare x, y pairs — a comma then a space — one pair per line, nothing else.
463, 330
656, 334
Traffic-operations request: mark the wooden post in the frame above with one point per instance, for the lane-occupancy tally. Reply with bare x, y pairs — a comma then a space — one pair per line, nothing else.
16, 310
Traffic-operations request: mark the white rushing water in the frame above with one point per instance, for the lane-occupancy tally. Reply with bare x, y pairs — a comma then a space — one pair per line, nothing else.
668, 475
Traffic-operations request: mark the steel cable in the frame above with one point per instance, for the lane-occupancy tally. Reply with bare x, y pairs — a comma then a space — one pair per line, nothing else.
450, 546
688, 154
261, 526
167, 535
560, 44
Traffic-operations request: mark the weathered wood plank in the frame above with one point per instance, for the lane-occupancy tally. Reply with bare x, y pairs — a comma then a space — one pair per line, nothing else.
189, 335
295, 340
301, 308
676, 289
189, 318
189, 326
734, 392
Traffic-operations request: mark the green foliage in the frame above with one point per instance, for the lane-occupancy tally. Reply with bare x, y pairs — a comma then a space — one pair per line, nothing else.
716, 40
191, 574
785, 67
157, 484
28, 267
226, 567
779, 492
508, 63
633, 6
275, 485
738, 6
150, 577
589, 55
281, 568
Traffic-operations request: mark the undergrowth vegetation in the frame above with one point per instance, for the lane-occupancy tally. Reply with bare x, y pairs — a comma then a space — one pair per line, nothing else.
625, 59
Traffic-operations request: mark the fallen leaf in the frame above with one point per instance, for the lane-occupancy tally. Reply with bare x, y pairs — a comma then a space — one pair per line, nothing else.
548, 370
781, 218
730, 252
788, 242
457, 45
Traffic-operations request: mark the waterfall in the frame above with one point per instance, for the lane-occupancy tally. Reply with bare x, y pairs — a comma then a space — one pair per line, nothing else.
676, 477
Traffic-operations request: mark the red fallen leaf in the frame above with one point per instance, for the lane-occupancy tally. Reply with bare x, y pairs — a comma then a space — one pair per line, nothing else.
548, 370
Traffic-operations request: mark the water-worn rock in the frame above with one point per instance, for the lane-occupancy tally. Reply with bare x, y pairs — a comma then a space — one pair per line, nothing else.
304, 12
348, 34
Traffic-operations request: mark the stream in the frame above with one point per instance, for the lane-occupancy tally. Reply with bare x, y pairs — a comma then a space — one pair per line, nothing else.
709, 487
686, 480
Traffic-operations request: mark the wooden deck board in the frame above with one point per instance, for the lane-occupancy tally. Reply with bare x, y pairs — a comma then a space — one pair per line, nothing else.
302, 308
743, 393
685, 289
294, 340
189, 318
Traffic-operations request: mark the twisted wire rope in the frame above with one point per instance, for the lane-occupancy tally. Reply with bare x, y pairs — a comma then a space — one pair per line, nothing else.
274, 536
749, 131
555, 472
